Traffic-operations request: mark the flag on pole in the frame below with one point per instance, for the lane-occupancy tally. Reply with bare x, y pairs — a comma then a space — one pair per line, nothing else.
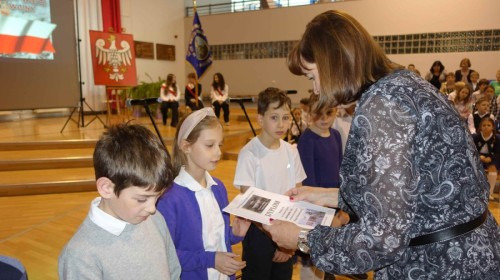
198, 53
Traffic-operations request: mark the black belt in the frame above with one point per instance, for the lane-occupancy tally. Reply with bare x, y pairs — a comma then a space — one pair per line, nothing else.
449, 233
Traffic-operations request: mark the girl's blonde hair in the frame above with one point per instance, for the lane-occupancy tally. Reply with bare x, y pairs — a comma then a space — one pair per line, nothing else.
179, 158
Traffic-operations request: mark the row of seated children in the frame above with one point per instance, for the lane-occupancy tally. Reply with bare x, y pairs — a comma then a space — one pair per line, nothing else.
170, 96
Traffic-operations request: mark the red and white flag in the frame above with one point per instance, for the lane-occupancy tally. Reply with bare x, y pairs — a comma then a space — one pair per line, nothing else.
18, 35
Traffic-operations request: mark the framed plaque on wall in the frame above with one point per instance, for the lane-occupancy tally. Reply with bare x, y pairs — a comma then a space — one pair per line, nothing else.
144, 50
165, 52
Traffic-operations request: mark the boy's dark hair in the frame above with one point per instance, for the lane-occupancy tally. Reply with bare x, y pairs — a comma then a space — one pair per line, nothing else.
483, 82
271, 95
305, 101
131, 155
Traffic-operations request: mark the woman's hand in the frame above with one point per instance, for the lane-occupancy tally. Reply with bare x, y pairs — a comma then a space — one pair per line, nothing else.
281, 256
328, 197
285, 234
240, 226
341, 218
226, 263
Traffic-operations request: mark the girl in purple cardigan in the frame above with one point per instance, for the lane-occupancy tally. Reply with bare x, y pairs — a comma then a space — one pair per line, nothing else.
193, 206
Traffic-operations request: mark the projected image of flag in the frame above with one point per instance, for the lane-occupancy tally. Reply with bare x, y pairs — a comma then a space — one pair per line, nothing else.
198, 53
25, 29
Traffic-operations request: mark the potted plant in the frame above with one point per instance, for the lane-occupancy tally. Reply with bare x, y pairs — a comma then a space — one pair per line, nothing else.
146, 90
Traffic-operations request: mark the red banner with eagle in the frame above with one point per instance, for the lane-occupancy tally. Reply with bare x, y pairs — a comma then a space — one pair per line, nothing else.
113, 59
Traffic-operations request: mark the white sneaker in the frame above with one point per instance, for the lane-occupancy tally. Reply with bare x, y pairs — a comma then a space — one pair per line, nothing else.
491, 197
227, 124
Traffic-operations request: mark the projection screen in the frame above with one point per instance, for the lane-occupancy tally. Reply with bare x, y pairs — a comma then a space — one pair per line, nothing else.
38, 54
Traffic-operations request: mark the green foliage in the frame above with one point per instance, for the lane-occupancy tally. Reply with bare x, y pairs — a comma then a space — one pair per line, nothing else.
147, 90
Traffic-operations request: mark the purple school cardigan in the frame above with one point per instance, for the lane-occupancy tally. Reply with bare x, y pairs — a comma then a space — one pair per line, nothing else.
182, 214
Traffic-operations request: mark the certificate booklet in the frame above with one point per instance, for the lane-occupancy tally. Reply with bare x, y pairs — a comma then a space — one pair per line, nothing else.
260, 205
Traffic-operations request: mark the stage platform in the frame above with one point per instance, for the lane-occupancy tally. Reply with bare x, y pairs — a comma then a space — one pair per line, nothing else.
37, 158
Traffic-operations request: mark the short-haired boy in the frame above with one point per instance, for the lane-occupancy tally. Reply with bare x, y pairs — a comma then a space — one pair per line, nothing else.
267, 162
123, 237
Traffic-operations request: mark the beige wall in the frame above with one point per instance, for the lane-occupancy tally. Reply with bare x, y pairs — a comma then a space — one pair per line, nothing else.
157, 21
380, 17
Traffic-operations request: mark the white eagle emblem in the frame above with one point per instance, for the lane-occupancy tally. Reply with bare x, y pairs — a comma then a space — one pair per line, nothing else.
117, 60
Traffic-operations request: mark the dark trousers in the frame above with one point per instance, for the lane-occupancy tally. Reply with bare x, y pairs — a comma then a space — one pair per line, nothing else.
192, 105
174, 106
225, 108
258, 252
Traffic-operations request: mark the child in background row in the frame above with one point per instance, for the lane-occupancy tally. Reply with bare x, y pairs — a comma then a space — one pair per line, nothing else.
496, 84
462, 101
170, 95
219, 95
483, 111
123, 237
489, 150
448, 86
192, 93
320, 149
479, 93
193, 207
297, 127
474, 80
267, 162
304, 106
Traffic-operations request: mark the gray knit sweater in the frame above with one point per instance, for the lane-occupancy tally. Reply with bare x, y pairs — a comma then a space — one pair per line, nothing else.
142, 251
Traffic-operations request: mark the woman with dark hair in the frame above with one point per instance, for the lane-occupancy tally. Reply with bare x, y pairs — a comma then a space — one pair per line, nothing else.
170, 95
435, 76
219, 95
410, 173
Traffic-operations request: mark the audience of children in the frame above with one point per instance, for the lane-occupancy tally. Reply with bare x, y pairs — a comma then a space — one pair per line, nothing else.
219, 94
192, 93
269, 163
489, 150
200, 230
170, 95
123, 237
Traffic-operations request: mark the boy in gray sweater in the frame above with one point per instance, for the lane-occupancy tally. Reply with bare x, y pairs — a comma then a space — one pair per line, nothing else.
123, 237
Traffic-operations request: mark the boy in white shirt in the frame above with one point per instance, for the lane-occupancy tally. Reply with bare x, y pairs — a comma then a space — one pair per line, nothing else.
268, 162
123, 237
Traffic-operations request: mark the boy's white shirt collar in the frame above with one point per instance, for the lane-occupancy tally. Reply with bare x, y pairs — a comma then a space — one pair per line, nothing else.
184, 179
104, 220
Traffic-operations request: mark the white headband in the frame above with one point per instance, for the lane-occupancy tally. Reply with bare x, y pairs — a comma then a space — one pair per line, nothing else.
191, 121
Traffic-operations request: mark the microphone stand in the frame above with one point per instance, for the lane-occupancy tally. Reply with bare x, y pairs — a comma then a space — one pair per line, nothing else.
148, 111
240, 101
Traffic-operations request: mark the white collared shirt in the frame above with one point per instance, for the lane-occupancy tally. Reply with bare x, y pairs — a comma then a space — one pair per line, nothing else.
104, 220
211, 216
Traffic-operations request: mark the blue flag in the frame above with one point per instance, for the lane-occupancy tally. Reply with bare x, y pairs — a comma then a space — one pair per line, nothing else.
198, 53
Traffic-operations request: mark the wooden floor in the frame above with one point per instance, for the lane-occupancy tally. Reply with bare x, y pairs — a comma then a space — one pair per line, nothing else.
34, 228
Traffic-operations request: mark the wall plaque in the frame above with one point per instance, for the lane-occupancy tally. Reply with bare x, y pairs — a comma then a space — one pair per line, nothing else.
165, 52
144, 50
